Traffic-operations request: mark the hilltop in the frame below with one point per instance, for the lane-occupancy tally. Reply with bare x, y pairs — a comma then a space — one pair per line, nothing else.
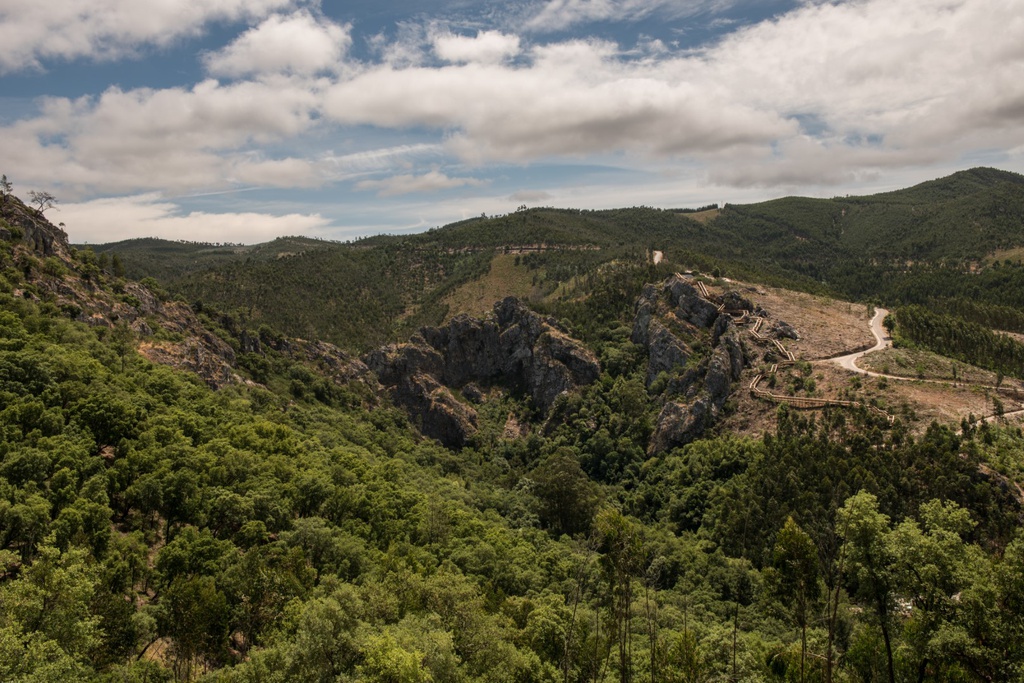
917, 245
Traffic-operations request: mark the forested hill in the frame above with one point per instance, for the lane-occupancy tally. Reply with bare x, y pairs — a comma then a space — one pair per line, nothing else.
184, 497
930, 244
965, 217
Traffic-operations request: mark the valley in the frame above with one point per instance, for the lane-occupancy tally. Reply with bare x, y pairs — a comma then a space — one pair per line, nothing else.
735, 444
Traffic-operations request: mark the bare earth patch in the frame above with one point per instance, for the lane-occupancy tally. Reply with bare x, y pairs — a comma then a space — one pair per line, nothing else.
830, 328
827, 327
1016, 336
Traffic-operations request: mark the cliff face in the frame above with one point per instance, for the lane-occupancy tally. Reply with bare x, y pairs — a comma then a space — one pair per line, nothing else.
31, 228
515, 348
696, 384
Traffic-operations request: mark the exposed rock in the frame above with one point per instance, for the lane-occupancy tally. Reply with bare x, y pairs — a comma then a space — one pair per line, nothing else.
737, 354
513, 428
691, 306
473, 393
86, 294
249, 343
644, 311
331, 361
39, 234
784, 330
665, 351
718, 378
734, 302
698, 393
438, 413
516, 348
196, 355
680, 423
688, 383
395, 362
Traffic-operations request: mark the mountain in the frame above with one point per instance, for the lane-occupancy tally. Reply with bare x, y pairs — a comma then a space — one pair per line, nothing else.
627, 473
891, 247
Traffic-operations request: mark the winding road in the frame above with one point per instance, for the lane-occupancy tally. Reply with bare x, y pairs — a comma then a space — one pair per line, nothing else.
849, 362
883, 341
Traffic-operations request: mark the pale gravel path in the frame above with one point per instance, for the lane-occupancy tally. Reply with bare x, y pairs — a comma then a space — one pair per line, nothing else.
849, 361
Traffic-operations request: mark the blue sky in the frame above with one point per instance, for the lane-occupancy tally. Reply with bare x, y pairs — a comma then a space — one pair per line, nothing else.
242, 120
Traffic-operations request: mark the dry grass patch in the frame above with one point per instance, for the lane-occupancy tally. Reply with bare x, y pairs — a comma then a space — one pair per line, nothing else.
505, 278
704, 216
920, 364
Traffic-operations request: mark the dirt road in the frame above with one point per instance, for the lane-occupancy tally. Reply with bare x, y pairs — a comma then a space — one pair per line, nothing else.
883, 342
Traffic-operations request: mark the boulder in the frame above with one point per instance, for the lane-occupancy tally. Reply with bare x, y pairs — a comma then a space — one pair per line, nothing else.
783, 330
680, 423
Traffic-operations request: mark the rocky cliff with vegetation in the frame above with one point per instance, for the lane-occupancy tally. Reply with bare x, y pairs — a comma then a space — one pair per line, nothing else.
516, 350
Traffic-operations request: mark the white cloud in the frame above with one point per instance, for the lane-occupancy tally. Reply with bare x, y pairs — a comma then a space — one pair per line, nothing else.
32, 31
295, 44
114, 219
531, 196
558, 15
365, 162
175, 139
408, 183
888, 84
574, 98
488, 47
885, 85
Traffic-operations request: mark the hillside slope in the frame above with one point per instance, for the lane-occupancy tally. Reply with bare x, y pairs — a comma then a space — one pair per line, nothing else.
292, 524
908, 246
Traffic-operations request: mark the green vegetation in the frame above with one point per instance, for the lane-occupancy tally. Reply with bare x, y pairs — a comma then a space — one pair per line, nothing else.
300, 529
964, 341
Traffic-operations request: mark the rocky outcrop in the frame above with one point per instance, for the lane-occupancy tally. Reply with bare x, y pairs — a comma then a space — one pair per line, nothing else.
783, 330
32, 229
434, 409
690, 306
515, 348
665, 351
697, 390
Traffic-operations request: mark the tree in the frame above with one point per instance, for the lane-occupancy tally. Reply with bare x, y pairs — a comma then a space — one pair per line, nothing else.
620, 540
6, 188
567, 496
195, 614
889, 323
117, 266
870, 563
42, 200
933, 568
795, 578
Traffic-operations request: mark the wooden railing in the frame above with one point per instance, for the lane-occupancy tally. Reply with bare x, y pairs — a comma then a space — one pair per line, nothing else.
798, 402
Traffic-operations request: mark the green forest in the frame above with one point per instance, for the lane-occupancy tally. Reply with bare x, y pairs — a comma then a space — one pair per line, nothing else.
290, 526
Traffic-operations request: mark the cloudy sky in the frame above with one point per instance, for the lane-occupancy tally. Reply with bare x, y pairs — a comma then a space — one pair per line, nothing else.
242, 120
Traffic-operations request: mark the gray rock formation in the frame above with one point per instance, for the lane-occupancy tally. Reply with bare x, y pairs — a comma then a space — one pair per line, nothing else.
691, 307
783, 330
696, 395
516, 348
665, 351
434, 408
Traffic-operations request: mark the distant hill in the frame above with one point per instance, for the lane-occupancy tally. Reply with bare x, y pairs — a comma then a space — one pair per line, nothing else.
905, 246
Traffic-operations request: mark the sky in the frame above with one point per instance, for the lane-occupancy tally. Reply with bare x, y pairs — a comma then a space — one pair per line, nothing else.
244, 120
